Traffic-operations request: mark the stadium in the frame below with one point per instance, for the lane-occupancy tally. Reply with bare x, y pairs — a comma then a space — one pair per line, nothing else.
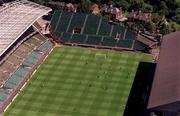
74, 64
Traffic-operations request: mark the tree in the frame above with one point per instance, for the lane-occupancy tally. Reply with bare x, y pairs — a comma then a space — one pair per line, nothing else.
156, 18
86, 5
112, 3
176, 18
124, 4
175, 26
150, 26
96, 1
137, 4
163, 9
147, 8
177, 2
165, 29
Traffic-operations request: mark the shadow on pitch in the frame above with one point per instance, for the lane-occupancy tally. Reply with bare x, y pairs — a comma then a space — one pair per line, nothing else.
139, 94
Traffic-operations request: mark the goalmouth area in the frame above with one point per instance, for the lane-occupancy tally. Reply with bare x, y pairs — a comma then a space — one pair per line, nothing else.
79, 82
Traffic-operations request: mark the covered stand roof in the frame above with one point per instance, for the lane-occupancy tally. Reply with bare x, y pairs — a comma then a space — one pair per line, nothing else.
165, 93
15, 18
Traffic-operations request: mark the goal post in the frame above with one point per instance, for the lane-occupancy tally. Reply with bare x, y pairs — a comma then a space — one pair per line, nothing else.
100, 56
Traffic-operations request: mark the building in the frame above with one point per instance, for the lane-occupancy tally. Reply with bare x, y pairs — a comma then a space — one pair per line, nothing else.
138, 16
165, 93
20, 42
95, 9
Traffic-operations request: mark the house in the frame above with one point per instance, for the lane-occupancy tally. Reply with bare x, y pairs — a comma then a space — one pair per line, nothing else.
95, 9
135, 16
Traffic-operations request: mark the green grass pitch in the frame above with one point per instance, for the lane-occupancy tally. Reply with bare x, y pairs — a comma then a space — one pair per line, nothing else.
79, 82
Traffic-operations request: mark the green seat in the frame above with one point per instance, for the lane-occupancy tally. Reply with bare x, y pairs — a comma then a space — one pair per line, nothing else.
9, 85
125, 43
15, 80
118, 29
35, 54
92, 24
94, 40
109, 41
130, 35
57, 34
3, 95
30, 61
21, 71
77, 21
140, 46
105, 28
45, 46
77, 38
66, 37
54, 20
64, 22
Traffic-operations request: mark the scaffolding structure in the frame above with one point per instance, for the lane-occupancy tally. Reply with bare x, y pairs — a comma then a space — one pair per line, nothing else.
15, 18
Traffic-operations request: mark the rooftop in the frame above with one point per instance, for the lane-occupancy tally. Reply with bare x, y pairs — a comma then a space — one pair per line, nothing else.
166, 84
16, 18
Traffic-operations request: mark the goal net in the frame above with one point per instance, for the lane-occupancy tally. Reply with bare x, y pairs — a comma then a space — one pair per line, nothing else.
99, 56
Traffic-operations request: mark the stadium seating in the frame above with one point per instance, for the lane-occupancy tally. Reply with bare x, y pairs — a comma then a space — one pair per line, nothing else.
92, 24
77, 21
94, 40
125, 43
109, 41
45, 46
40, 38
105, 28
30, 60
63, 22
130, 35
9, 85
14, 79
55, 19
21, 71
118, 29
77, 38
13, 59
139, 46
58, 34
92, 30
3, 95
20, 63
66, 37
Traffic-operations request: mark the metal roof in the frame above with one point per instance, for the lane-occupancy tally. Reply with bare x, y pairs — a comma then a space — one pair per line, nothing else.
15, 18
166, 84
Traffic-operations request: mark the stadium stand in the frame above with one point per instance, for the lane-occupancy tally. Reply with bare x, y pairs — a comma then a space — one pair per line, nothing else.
105, 28
140, 47
78, 38
130, 35
64, 20
109, 41
16, 17
3, 95
16, 58
21, 46
77, 22
66, 37
90, 30
125, 43
118, 29
93, 40
55, 19
28, 57
92, 24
